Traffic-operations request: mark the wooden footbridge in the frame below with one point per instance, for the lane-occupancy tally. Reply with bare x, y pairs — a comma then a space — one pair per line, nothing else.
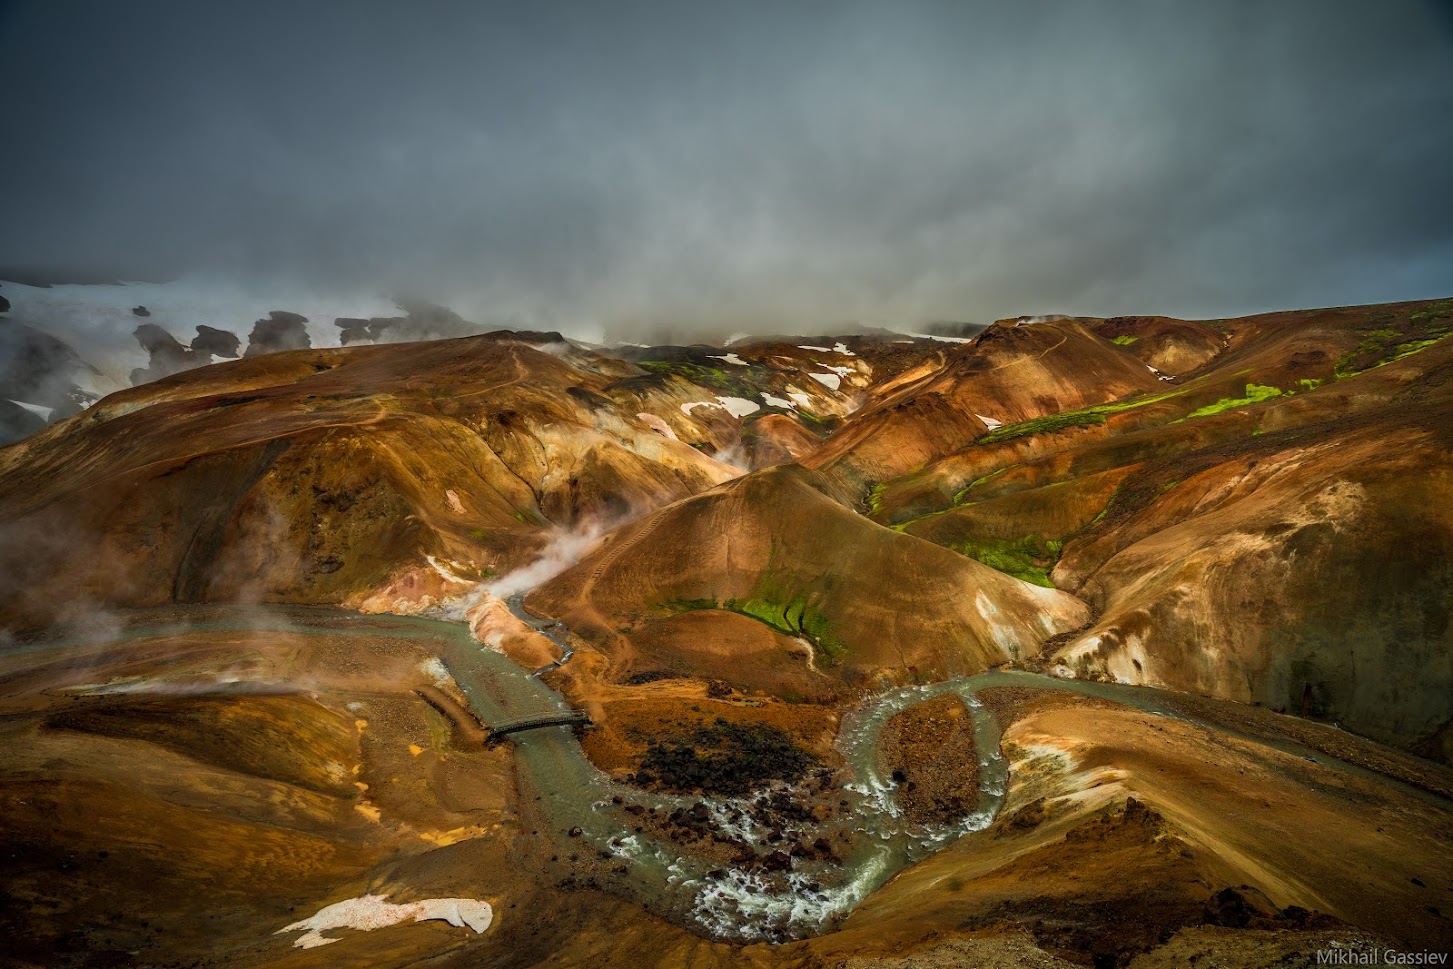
501, 730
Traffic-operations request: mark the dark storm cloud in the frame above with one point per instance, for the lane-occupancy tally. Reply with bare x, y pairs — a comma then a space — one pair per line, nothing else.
743, 164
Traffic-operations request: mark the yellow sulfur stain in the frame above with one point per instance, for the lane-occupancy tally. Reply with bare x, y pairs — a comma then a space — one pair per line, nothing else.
445, 838
415, 749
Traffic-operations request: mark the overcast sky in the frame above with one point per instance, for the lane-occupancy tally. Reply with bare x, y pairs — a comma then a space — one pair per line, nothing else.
742, 165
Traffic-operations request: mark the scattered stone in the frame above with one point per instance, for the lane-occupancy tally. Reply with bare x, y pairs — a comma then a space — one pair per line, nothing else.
1029, 816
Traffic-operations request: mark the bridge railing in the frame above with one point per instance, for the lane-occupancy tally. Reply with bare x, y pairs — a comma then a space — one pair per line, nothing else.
502, 730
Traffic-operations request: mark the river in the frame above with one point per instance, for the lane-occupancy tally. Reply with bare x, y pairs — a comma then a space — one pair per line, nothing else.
874, 840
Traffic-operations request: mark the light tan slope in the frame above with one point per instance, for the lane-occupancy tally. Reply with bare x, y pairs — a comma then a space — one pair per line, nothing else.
1008, 373
1171, 346
349, 468
773, 545
1318, 579
1086, 873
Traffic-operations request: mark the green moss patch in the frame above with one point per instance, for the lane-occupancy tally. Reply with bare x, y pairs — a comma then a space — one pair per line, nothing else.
716, 378
1392, 340
1084, 417
1028, 558
794, 617
791, 615
1255, 393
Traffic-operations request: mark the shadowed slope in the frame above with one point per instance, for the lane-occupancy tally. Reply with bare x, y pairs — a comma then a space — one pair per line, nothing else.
1273, 530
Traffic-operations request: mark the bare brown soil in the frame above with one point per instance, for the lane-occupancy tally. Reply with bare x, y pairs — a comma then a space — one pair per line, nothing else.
929, 752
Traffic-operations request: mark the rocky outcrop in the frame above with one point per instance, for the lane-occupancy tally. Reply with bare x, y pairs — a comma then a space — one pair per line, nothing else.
217, 343
40, 372
281, 330
168, 355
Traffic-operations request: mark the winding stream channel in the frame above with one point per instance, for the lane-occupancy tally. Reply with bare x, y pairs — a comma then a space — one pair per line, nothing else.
871, 837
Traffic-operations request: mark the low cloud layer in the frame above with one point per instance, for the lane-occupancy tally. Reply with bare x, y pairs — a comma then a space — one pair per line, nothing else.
602, 169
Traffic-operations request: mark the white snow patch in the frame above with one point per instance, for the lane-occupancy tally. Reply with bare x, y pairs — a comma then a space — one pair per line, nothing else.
803, 400
739, 406
829, 380
454, 501
989, 422
732, 358
42, 412
816, 349
771, 401
369, 912
735, 406
843, 349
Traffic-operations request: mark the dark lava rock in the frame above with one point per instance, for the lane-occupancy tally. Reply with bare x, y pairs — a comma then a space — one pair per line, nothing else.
1239, 908
777, 861
219, 343
357, 331
280, 331
726, 758
167, 355
140, 311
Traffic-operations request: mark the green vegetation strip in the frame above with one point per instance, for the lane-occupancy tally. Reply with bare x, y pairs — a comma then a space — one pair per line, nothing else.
790, 615
1255, 393
1028, 558
1072, 418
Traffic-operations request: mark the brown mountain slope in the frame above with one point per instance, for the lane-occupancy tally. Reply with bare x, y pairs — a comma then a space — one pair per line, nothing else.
1275, 530
1263, 356
1169, 345
318, 475
1008, 373
1316, 578
774, 546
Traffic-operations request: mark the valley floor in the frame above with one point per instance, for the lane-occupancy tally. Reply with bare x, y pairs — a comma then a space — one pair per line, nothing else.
182, 792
